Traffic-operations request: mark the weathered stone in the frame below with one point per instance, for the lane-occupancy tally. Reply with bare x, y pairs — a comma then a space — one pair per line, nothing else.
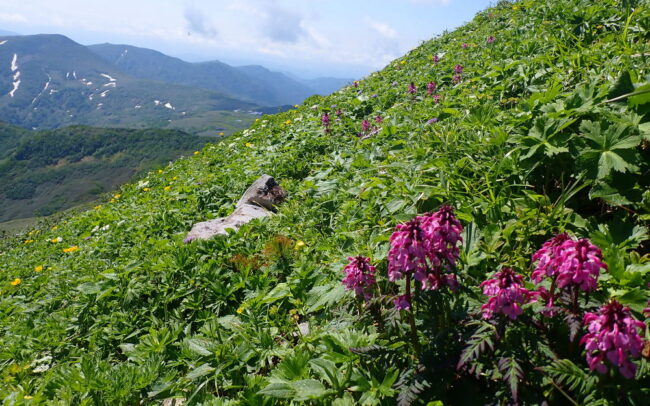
258, 201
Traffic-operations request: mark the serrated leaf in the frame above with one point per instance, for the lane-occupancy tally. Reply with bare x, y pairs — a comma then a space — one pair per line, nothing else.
199, 371
279, 390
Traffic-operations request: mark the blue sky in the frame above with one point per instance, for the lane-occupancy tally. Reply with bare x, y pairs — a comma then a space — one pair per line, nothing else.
345, 38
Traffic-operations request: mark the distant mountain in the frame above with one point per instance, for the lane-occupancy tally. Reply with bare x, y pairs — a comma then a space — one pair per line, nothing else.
252, 83
325, 86
49, 81
46, 171
4, 33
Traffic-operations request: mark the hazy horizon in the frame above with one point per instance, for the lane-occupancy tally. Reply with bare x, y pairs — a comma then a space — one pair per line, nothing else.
309, 39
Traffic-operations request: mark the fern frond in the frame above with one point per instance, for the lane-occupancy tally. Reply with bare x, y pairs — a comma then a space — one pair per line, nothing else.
512, 374
566, 373
482, 339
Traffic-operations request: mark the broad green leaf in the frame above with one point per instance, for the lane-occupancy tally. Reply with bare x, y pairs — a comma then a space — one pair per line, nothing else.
279, 390
199, 371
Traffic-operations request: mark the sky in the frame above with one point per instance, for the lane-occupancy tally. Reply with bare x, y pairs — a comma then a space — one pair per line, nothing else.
308, 38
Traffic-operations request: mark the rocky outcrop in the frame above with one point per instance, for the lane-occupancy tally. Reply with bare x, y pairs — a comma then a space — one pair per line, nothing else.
258, 201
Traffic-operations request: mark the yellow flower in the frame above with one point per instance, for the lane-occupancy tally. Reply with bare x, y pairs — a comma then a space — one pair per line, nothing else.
146, 189
403, 62
249, 145
240, 310
273, 310
55, 228
299, 244
175, 177
196, 152
296, 106
99, 206
287, 122
16, 282
56, 240
221, 133
29, 241
71, 249
160, 170
117, 196
38, 268
257, 119
167, 188
28, 397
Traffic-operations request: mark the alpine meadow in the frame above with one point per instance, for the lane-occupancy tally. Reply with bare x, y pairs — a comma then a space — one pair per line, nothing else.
467, 226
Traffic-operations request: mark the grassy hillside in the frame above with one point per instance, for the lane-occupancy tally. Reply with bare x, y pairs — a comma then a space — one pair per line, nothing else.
537, 125
48, 171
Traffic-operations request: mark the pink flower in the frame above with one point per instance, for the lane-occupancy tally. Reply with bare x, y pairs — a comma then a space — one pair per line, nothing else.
426, 247
325, 120
613, 336
490, 39
359, 276
569, 262
456, 78
379, 119
355, 84
402, 302
507, 294
431, 87
338, 112
464, 45
548, 256
458, 69
580, 264
435, 59
365, 126
412, 89
436, 98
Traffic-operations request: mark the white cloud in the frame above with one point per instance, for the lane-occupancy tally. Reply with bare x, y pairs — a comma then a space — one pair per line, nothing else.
12, 17
382, 28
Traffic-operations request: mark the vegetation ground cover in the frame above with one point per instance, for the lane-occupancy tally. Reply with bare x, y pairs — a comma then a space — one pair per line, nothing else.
531, 121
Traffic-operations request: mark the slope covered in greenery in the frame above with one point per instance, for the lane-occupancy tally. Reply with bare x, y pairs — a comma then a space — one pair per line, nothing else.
47, 171
539, 127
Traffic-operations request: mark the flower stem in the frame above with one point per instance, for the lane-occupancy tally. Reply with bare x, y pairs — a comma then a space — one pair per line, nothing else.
411, 316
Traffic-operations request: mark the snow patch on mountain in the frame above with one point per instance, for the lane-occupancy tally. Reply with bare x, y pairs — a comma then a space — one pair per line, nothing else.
109, 77
16, 75
110, 84
169, 106
47, 84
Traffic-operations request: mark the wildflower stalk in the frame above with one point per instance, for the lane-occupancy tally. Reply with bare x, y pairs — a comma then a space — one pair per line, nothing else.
411, 316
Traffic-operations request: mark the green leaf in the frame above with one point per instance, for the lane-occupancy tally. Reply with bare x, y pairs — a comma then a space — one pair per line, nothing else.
308, 389
623, 85
199, 371
197, 346
641, 96
279, 390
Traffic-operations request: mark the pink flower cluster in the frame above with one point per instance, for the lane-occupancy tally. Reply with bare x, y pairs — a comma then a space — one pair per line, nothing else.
613, 334
425, 247
507, 294
359, 276
569, 262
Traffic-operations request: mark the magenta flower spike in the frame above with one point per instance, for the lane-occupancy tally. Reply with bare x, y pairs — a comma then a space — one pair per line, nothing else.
412, 89
359, 276
379, 119
431, 87
365, 126
435, 59
426, 247
614, 337
569, 263
325, 119
458, 69
436, 98
507, 294
402, 302
464, 45
490, 39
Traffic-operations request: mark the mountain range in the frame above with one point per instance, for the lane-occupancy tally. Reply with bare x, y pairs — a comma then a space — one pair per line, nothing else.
49, 81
